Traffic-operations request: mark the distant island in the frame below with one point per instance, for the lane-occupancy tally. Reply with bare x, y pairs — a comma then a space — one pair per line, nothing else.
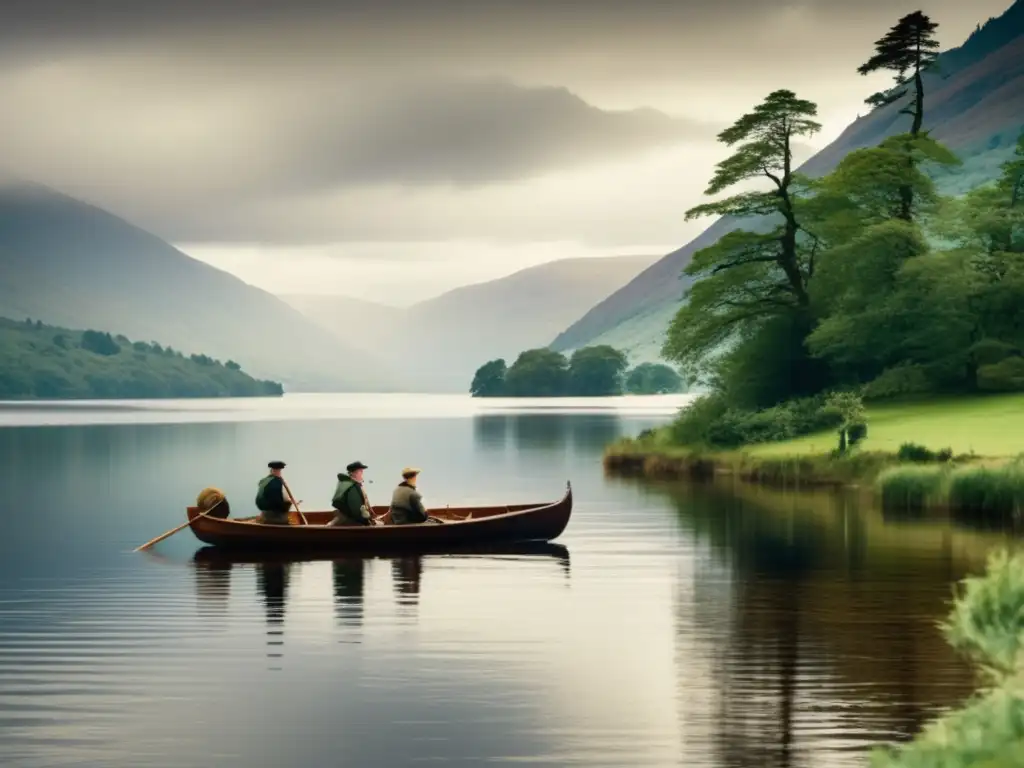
39, 361
597, 371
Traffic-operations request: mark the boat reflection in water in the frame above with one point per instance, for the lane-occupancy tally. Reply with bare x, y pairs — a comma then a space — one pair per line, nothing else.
213, 567
349, 576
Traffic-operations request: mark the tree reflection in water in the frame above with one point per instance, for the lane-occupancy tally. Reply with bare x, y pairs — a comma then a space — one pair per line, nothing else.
834, 612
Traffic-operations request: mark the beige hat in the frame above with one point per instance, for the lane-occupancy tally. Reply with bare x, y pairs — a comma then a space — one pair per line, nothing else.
410, 471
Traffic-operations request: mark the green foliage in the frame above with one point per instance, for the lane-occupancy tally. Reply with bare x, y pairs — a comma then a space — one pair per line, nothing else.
596, 371
748, 278
38, 361
848, 408
986, 623
710, 422
908, 47
866, 279
489, 379
900, 380
988, 491
100, 343
538, 373
913, 452
910, 488
653, 379
1005, 376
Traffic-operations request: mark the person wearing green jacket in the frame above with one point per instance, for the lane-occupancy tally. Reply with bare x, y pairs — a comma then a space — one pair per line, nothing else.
351, 507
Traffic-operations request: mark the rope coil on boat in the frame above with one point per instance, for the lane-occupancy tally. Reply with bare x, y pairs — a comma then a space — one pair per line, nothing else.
210, 497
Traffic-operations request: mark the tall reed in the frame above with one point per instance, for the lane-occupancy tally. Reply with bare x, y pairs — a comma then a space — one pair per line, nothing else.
912, 487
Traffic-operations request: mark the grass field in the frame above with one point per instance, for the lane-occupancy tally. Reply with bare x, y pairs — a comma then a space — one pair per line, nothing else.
987, 426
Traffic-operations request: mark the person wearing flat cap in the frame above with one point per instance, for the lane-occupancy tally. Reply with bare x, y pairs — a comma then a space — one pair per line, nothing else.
351, 507
272, 498
406, 502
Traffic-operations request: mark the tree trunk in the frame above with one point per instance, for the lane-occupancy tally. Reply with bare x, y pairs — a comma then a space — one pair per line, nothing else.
915, 127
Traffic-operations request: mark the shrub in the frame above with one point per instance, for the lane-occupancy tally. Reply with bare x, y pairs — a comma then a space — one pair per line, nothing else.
1004, 376
856, 433
921, 455
709, 422
900, 380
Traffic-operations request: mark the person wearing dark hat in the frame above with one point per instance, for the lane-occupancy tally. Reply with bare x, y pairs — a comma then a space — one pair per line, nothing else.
351, 507
407, 503
272, 500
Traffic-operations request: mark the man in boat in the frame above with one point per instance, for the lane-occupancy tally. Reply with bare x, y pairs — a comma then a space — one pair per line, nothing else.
407, 503
272, 500
351, 506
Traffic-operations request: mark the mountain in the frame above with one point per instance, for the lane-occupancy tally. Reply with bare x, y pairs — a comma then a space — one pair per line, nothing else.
70, 264
362, 325
974, 103
441, 342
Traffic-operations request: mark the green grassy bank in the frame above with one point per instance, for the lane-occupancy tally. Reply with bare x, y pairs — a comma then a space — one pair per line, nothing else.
969, 462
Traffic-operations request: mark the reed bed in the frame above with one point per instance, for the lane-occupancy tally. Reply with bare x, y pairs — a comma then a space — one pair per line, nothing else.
994, 494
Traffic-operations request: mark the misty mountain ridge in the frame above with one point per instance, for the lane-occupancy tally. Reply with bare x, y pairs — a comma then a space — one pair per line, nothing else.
68, 263
974, 103
438, 343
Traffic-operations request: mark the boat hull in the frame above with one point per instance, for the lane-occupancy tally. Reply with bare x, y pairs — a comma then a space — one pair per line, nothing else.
463, 527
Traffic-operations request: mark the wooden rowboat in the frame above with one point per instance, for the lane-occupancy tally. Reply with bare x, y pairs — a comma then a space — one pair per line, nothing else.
462, 527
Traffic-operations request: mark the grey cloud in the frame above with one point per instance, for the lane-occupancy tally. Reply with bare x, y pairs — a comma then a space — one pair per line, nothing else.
385, 29
464, 133
282, 146
385, 119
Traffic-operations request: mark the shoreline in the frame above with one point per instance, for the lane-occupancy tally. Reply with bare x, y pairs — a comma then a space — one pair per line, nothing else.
983, 489
630, 459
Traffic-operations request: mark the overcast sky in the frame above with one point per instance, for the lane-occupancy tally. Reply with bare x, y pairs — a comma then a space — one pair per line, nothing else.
394, 150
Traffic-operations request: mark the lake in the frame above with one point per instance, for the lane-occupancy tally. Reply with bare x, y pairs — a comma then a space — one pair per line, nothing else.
711, 627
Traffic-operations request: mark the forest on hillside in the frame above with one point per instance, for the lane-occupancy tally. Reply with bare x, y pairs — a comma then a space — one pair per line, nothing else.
39, 361
865, 282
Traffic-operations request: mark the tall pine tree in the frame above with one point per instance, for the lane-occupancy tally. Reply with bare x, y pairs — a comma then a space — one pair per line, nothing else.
748, 278
907, 49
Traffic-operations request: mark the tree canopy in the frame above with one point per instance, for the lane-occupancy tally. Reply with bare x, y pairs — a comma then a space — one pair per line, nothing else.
40, 361
595, 371
747, 279
653, 379
865, 281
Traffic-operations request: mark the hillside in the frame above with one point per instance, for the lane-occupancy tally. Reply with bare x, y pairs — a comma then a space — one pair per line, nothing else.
975, 106
43, 361
442, 341
78, 266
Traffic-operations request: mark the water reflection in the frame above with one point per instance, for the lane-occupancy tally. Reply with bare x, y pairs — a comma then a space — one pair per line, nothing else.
273, 570
832, 623
213, 584
532, 431
272, 583
349, 576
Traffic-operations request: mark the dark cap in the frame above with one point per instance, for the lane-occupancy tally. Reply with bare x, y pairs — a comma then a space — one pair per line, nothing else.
355, 465
276, 465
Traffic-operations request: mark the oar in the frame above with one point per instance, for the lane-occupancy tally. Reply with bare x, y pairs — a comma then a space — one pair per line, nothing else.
302, 517
173, 531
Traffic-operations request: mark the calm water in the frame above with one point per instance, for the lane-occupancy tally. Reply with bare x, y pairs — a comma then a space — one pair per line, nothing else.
709, 627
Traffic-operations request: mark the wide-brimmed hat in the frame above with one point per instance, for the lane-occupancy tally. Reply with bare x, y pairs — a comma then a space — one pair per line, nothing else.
276, 464
411, 471
355, 465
